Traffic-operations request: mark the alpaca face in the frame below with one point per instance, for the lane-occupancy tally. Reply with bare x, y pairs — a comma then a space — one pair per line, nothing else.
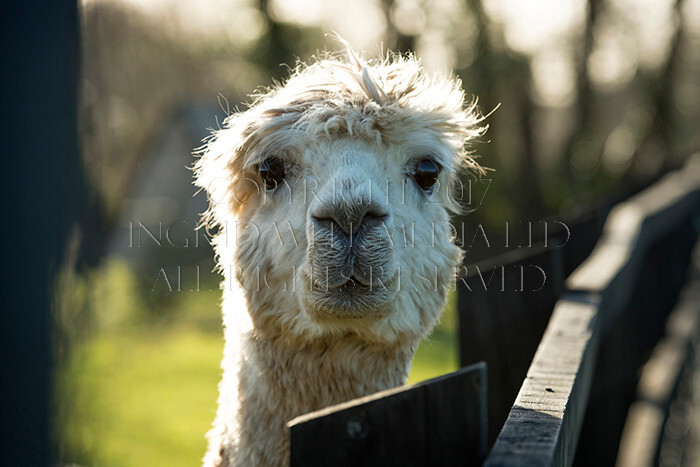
347, 230
339, 190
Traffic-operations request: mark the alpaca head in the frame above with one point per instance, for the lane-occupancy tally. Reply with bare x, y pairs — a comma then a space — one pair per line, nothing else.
332, 196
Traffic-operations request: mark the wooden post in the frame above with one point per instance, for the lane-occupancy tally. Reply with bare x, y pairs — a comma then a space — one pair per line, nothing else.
40, 201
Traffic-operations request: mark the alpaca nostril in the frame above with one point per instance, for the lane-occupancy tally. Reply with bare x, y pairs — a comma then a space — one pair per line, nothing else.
375, 214
327, 222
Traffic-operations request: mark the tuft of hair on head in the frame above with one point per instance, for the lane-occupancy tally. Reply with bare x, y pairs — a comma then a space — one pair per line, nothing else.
367, 82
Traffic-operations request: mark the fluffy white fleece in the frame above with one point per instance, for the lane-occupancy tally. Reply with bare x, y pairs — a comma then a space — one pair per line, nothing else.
348, 128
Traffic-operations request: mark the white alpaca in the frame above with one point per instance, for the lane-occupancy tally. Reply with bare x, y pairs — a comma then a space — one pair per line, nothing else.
331, 198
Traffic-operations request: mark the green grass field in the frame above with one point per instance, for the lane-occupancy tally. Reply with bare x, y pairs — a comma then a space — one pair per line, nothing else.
145, 394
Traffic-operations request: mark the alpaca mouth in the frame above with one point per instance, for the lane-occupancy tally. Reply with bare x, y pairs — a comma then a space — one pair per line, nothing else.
355, 283
355, 298
351, 289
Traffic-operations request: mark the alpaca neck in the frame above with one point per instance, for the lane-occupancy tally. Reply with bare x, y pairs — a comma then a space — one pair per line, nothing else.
312, 375
270, 378
279, 380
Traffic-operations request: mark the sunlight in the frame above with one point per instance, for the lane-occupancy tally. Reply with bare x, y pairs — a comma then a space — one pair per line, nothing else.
651, 23
236, 20
447, 30
545, 30
553, 77
408, 16
631, 34
613, 61
537, 24
361, 22
619, 150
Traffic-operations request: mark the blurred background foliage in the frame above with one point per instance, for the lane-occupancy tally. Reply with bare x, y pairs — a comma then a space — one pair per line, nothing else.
597, 98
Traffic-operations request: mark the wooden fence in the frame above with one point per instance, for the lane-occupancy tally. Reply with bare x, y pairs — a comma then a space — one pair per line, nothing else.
603, 326
567, 350
502, 321
438, 422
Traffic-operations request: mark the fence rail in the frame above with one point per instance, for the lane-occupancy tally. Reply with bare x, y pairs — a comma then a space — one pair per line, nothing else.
501, 322
438, 422
642, 255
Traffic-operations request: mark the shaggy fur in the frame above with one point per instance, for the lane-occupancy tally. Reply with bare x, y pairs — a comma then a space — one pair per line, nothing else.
313, 317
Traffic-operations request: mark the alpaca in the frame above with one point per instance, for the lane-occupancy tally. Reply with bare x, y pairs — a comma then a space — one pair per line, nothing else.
330, 199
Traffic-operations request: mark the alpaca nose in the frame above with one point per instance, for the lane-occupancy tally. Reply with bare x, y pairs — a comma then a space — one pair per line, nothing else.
350, 216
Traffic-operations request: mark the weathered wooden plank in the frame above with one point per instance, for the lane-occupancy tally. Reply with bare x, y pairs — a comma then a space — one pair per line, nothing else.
543, 426
502, 324
635, 305
437, 422
456, 421
367, 428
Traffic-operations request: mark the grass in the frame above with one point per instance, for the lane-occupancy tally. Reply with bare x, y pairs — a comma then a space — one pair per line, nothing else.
438, 354
142, 399
145, 393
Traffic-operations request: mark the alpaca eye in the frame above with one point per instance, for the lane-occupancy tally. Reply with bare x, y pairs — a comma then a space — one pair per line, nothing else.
426, 174
272, 172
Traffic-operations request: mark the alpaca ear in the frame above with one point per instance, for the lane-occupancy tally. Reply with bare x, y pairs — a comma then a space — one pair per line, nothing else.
219, 170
